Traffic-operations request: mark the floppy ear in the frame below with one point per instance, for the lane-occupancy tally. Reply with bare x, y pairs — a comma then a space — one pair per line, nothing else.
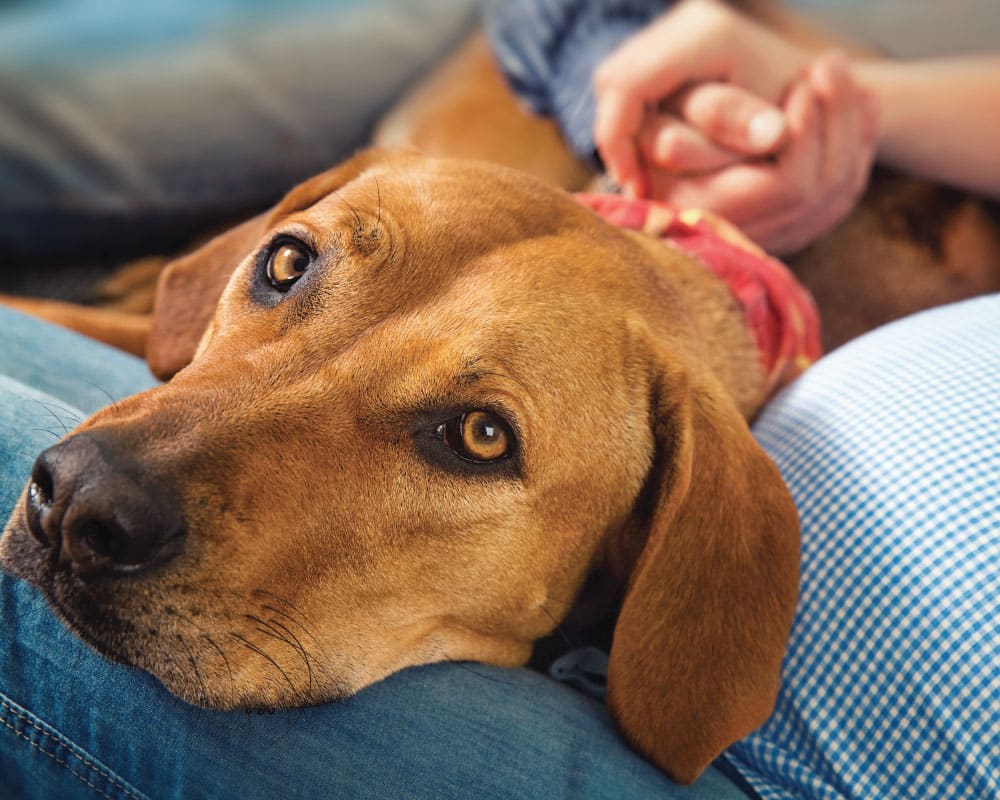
696, 658
187, 293
190, 287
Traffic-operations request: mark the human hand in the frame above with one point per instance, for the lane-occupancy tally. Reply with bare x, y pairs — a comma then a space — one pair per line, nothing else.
811, 184
697, 41
707, 127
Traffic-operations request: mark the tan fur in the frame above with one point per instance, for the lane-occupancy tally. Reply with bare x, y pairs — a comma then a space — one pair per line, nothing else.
296, 443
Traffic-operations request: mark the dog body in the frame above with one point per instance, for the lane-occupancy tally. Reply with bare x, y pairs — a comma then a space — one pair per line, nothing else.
413, 445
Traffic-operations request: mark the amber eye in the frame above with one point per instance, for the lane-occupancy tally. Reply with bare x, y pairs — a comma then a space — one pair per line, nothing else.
476, 436
287, 263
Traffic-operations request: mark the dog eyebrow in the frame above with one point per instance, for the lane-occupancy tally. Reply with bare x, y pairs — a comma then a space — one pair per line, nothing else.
473, 371
468, 378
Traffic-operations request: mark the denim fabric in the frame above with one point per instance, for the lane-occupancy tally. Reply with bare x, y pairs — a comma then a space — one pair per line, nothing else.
79, 374
73, 725
128, 128
548, 50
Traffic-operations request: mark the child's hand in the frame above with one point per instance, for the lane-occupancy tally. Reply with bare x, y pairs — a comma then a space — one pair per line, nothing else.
707, 127
811, 184
697, 41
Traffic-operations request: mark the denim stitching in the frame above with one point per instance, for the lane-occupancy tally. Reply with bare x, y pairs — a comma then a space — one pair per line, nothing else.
104, 773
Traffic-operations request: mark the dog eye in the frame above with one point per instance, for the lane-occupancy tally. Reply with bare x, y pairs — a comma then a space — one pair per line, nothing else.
287, 263
476, 436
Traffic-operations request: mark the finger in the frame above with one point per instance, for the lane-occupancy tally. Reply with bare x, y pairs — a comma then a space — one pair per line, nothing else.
845, 156
799, 163
766, 200
647, 68
842, 120
732, 117
616, 123
643, 71
849, 143
669, 143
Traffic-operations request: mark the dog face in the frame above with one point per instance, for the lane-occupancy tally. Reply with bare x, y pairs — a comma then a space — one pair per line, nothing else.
434, 395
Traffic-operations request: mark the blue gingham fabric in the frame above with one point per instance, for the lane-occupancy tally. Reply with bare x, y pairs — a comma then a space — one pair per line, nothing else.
891, 448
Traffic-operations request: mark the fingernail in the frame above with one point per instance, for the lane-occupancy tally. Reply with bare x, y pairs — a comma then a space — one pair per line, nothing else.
765, 129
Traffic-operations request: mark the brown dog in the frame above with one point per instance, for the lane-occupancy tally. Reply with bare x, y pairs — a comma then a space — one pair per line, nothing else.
434, 396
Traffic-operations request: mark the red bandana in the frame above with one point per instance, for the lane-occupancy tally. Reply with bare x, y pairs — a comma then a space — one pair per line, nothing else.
779, 311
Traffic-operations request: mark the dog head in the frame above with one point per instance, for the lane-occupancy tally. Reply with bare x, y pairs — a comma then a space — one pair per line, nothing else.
432, 397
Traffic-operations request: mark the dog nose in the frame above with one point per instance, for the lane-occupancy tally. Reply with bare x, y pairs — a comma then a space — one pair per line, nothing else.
89, 502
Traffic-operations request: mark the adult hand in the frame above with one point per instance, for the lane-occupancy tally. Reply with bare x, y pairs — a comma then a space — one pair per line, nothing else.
697, 41
812, 183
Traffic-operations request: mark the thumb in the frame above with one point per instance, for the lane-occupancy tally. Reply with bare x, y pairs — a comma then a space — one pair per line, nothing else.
733, 117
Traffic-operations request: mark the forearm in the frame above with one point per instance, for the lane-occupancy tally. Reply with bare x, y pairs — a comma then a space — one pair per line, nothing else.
939, 119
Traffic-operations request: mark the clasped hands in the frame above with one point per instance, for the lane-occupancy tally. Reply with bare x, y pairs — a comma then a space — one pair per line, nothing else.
707, 108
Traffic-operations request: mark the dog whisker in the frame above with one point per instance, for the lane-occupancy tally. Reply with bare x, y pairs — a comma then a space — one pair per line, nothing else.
225, 660
285, 636
293, 621
469, 668
103, 391
299, 645
259, 651
193, 661
359, 225
204, 635
303, 622
558, 628
62, 423
50, 432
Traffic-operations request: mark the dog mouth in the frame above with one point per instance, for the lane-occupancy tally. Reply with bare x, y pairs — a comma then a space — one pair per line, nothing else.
213, 647
79, 605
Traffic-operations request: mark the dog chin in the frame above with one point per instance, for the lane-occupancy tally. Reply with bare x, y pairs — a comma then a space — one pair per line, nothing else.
22, 557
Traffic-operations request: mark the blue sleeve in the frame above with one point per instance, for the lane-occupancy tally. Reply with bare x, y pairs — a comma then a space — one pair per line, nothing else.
548, 50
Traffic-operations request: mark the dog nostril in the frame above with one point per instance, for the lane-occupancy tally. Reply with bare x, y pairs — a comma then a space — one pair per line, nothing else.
104, 543
98, 546
38, 495
41, 488
99, 538
39, 503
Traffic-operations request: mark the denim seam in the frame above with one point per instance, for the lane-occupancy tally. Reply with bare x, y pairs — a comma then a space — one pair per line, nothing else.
59, 740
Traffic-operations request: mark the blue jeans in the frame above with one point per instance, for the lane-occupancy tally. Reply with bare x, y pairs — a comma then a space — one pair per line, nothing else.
73, 725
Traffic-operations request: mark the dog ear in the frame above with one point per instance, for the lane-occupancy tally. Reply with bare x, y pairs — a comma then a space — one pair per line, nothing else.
190, 287
188, 291
696, 658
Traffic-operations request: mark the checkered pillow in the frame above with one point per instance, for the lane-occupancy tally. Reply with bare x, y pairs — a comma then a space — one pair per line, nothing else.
891, 448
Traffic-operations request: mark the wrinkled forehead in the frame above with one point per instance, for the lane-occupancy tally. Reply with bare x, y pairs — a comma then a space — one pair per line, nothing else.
459, 210
491, 259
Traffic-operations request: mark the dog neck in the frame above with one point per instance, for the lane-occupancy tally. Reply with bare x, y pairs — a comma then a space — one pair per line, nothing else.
778, 311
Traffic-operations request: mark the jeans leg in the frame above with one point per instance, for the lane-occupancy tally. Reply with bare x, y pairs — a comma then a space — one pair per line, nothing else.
75, 372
